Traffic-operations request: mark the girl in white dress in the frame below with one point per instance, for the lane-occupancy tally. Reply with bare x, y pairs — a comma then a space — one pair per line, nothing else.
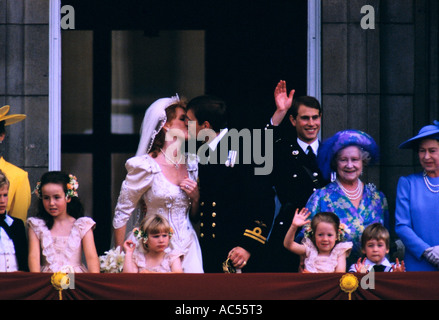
151, 252
162, 179
60, 234
322, 247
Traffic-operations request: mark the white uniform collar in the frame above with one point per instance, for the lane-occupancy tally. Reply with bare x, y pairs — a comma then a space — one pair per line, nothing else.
304, 145
214, 143
385, 262
8, 220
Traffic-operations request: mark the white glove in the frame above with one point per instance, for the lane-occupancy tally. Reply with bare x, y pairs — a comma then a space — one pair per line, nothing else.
432, 255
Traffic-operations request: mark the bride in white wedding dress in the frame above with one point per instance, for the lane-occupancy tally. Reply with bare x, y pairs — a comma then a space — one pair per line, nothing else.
165, 179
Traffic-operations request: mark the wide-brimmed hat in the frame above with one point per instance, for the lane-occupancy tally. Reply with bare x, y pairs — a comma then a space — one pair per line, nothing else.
12, 118
430, 131
341, 140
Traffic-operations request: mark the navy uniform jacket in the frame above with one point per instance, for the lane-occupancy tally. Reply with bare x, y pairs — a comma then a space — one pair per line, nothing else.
295, 178
234, 211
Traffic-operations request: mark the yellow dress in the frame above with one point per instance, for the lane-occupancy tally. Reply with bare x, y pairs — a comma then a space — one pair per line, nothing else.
19, 190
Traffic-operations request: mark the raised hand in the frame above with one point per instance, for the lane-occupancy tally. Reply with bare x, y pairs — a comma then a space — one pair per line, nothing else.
398, 267
361, 266
283, 102
129, 246
301, 218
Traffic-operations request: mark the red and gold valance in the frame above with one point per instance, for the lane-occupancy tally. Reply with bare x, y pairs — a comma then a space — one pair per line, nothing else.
257, 286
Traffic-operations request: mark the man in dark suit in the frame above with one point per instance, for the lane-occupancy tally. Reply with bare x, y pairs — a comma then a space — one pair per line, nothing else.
295, 172
234, 217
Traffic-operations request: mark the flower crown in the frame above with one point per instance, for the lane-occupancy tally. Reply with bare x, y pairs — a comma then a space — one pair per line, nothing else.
343, 230
72, 187
142, 236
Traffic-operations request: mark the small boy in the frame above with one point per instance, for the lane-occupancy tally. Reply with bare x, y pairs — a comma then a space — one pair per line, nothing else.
375, 244
13, 242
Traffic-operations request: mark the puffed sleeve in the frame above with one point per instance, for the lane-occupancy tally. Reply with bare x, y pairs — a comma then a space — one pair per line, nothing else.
343, 247
37, 225
84, 224
140, 174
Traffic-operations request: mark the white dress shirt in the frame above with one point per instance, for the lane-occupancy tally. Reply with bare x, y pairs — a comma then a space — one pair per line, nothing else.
8, 260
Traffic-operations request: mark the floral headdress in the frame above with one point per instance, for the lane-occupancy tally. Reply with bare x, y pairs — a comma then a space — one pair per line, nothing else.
343, 230
72, 187
142, 236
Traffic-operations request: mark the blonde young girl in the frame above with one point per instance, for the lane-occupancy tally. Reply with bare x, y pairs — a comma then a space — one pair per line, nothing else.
60, 234
151, 253
321, 247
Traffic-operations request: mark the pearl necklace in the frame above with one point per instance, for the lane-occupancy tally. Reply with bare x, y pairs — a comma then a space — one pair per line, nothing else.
175, 163
355, 194
429, 185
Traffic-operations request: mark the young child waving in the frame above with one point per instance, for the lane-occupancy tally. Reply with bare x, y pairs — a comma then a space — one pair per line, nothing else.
322, 246
375, 245
59, 234
150, 251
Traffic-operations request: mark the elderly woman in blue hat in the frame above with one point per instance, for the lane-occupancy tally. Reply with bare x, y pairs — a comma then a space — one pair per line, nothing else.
342, 159
417, 203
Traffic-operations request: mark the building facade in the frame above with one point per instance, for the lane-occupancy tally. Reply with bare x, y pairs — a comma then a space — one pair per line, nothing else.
372, 63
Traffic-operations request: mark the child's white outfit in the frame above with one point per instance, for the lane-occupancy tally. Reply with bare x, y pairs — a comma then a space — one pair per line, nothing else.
316, 264
61, 253
8, 260
165, 266
385, 263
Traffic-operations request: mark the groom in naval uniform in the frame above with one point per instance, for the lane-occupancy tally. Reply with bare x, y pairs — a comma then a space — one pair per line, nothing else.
235, 210
295, 172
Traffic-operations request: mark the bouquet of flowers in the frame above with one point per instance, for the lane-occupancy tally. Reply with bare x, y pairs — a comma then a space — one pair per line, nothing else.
112, 261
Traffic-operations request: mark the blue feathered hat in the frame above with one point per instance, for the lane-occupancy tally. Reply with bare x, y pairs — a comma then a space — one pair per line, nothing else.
343, 139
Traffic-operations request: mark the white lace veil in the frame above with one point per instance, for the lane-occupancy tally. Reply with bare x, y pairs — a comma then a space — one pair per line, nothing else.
153, 122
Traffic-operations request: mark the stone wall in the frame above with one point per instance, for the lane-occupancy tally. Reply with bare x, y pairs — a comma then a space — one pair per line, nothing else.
382, 80
24, 56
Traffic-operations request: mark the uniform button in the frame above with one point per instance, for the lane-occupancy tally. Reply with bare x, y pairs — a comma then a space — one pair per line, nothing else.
202, 235
214, 214
202, 204
213, 204
213, 225
315, 174
201, 214
201, 224
213, 235
294, 175
314, 189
